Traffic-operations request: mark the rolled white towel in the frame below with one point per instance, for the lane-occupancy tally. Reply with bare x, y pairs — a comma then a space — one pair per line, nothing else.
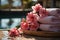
46, 27
49, 19
55, 12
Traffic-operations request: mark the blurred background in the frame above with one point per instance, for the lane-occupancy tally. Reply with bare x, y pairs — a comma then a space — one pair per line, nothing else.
18, 9
25, 4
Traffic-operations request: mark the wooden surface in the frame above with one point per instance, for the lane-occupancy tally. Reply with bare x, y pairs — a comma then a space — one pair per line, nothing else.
25, 37
42, 33
1, 34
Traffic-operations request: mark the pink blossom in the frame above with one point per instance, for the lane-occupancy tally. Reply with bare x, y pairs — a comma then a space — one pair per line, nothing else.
36, 7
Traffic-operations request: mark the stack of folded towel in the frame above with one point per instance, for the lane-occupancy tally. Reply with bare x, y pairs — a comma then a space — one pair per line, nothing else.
51, 22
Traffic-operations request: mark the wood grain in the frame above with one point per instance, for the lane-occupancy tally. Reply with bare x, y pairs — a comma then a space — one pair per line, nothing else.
42, 33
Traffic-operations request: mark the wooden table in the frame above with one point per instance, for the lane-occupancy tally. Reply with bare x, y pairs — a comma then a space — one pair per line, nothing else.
4, 36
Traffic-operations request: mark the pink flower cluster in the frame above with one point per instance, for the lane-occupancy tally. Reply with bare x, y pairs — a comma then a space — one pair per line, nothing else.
31, 22
13, 32
41, 11
32, 18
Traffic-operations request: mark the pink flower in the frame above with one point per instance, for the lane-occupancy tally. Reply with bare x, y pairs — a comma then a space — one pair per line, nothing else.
24, 25
36, 7
32, 17
13, 32
43, 12
20, 30
34, 26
